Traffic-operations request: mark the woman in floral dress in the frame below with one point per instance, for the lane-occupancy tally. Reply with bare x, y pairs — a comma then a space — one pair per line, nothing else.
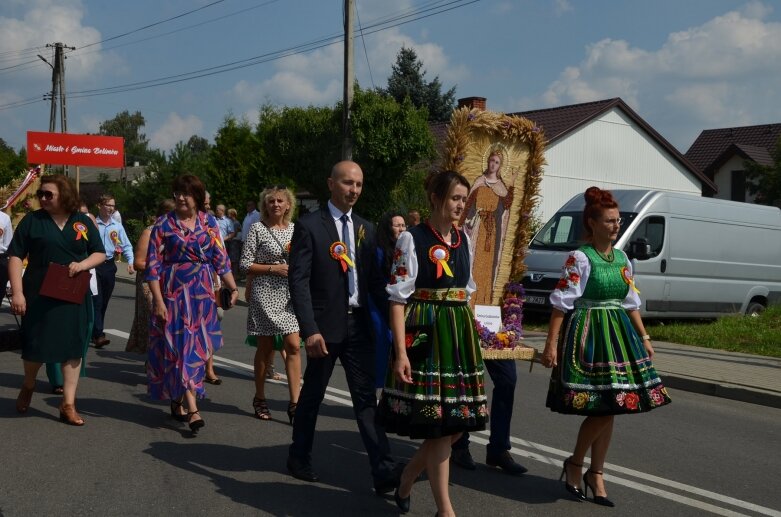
184, 249
435, 390
602, 361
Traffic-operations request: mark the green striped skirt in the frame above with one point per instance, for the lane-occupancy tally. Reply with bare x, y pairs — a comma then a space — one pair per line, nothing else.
603, 368
447, 393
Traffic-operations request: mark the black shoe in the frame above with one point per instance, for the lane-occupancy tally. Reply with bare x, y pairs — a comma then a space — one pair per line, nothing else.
597, 499
506, 462
463, 459
402, 503
301, 470
576, 492
195, 424
390, 483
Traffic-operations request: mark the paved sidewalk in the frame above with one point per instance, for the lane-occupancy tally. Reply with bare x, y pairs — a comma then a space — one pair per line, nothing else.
731, 375
744, 377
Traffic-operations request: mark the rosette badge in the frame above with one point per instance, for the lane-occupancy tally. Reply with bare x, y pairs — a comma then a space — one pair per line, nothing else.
439, 255
339, 252
629, 279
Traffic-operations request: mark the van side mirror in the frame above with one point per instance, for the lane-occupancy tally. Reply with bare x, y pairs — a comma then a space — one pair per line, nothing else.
640, 249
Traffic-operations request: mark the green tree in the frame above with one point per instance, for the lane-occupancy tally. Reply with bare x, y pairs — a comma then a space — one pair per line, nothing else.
11, 163
234, 164
129, 127
300, 145
407, 80
765, 181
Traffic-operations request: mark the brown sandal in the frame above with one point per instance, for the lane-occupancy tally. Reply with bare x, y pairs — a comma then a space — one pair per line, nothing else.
69, 415
24, 399
261, 408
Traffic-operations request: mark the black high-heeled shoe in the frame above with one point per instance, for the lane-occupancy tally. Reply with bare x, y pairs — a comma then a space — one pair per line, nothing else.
195, 424
576, 492
402, 502
596, 499
291, 411
175, 414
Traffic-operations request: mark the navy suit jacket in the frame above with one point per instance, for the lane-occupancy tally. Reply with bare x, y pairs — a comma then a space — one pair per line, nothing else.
318, 285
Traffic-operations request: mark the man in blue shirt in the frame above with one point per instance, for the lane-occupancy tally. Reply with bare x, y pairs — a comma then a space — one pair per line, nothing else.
227, 230
117, 244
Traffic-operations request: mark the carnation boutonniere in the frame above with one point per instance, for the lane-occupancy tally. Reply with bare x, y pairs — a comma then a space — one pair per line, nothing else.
361, 235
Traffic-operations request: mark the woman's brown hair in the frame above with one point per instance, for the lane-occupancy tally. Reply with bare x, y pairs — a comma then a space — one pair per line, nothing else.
68, 197
193, 186
440, 183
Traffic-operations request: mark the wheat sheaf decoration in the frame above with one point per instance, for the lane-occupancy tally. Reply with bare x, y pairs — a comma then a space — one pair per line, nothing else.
501, 221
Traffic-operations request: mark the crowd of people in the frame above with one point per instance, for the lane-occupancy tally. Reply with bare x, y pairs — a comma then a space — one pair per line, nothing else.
390, 302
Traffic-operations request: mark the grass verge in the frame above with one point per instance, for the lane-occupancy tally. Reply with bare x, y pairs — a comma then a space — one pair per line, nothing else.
735, 333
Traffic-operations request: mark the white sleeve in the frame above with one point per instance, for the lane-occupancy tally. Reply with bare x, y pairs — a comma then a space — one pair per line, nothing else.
632, 301
404, 270
574, 275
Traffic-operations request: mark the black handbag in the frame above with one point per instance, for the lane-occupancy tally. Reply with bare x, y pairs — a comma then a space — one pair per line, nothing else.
224, 298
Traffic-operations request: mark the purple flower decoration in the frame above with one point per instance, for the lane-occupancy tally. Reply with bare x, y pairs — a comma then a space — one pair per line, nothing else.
506, 124
460, 158
512, 316
471, 116
536, 129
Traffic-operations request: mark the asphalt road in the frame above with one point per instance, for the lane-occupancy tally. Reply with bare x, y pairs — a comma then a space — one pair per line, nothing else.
700, 455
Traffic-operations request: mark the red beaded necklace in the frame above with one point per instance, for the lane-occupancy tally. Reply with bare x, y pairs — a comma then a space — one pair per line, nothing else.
442, 239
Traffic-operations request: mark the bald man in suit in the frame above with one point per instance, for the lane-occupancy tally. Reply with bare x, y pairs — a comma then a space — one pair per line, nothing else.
330, 299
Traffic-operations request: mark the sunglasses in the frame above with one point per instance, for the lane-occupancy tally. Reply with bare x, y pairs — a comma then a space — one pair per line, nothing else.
48, 195
180, 193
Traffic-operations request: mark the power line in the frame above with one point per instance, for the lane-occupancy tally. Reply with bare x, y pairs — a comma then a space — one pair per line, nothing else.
390, 22
363, 41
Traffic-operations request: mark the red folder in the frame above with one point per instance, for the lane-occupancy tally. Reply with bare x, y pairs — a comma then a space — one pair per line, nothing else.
57, 284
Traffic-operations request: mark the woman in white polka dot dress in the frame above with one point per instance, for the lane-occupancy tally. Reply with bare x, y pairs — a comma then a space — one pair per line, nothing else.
264, 259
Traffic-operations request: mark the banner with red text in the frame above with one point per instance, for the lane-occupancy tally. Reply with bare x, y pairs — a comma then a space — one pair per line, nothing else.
72, 149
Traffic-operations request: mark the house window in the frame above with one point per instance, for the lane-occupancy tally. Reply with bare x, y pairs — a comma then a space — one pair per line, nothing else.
738, 186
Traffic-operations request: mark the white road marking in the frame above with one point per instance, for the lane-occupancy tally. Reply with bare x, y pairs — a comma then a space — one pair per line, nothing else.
551, 456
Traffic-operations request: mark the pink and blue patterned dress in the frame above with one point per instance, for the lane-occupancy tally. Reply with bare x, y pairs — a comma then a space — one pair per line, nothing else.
183, 261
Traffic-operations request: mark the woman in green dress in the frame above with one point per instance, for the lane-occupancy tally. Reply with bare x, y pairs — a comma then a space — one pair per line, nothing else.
53, 331
602, 361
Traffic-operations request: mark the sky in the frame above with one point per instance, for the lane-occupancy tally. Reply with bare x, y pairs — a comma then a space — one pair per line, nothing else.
683, 66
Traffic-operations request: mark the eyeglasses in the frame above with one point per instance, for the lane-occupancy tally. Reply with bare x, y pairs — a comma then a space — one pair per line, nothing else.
109, 206
400, 226
48, 195
611, 222
180, 193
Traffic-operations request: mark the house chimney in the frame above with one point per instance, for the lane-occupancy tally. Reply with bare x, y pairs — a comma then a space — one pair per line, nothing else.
472, 103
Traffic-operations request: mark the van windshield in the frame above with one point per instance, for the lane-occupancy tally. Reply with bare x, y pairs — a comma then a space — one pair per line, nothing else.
564, 232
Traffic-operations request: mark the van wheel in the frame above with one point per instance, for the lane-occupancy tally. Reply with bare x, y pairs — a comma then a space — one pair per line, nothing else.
754, 309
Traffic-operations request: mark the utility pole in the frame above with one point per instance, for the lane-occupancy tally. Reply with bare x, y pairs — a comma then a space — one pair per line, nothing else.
58, 88
349, 80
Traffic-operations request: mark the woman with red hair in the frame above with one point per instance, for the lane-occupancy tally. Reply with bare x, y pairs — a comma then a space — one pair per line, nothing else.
602, 359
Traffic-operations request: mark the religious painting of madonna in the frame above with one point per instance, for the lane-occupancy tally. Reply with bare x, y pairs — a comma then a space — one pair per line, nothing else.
502, 157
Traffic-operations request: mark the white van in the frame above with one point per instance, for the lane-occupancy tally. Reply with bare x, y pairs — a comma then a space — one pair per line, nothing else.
694, 257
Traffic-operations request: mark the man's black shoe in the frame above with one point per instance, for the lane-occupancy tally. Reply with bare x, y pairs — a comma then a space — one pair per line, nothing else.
506, 462
300, 470
463, 459
390, 483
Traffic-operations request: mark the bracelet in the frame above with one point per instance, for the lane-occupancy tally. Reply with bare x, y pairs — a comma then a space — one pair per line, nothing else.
269, 269
645, 337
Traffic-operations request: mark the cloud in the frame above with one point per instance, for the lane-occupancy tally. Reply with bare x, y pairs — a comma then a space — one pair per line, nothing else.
715, 73
562, 6
174, 130
48, 21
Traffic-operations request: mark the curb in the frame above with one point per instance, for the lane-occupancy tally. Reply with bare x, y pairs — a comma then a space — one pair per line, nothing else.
725, 391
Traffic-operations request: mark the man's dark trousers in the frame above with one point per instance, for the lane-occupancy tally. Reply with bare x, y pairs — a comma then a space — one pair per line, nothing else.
105, 274
357, 356
504, 378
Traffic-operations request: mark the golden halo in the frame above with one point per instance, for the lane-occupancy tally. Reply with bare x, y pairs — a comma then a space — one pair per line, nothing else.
503, 150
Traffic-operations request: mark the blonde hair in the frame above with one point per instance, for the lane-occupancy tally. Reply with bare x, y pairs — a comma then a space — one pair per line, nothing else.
270, 191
